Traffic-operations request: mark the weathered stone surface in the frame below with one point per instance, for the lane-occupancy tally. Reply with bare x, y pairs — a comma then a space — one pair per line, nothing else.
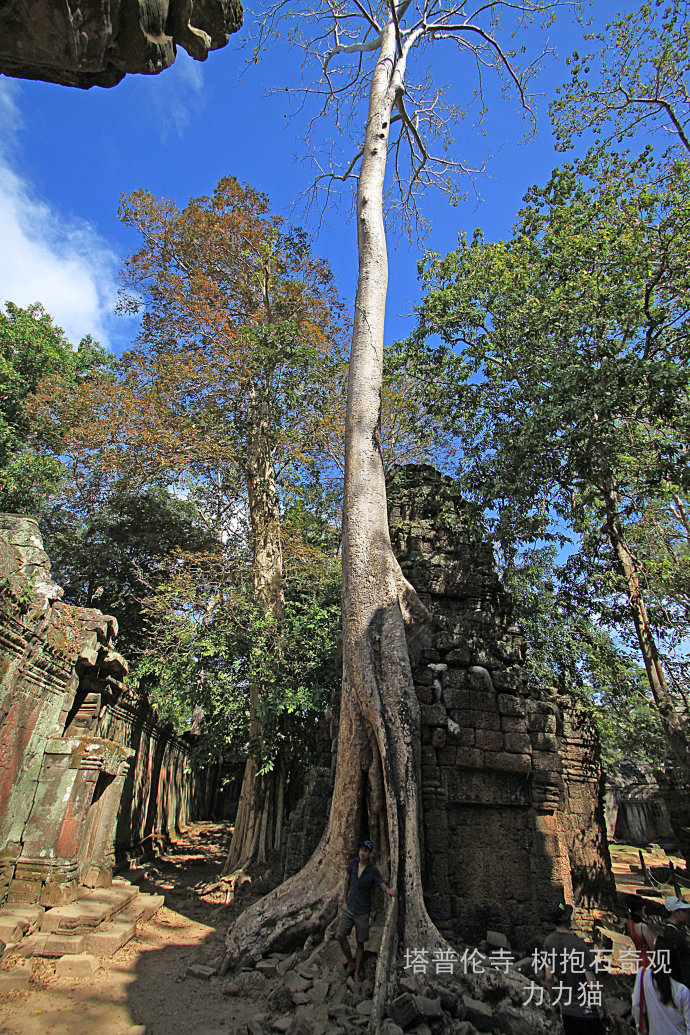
68, 733
14, 979
405, 1010
81, 966
479, 1014
199, 970
282, 1023
96, 42
109, 938
429, 1008
511, 1020
497, 748
297, 983
389, 1027
464, 1028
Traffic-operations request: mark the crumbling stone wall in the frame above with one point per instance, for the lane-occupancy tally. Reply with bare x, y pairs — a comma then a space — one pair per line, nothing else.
510, 781
510, 773
69, 732
635, 807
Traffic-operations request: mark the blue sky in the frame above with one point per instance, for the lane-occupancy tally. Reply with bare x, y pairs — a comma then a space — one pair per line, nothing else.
67, 155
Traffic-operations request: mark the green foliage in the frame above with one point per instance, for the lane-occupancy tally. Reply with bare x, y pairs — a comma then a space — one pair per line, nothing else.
635, 80
203, 665
561, 360
112, 558
568, 648
33, 353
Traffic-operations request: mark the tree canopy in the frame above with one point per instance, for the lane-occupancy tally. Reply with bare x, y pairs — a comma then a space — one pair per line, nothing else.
563, 368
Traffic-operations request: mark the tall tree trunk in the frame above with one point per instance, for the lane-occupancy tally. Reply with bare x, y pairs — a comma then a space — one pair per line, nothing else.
674, 728
378, 739
259, 820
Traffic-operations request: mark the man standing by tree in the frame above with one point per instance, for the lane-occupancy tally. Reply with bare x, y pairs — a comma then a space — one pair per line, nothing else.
362, 877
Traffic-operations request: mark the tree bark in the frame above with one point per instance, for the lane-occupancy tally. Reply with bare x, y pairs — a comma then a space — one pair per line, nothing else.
379, 732
259, 820
673, 726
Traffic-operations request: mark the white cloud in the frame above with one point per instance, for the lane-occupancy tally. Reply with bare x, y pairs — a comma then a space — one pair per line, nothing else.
175, 95
45, 257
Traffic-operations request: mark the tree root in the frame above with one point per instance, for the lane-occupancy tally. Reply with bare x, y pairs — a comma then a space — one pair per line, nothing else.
300, 908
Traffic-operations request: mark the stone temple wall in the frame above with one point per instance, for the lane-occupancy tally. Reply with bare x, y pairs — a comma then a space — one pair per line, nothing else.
510, 780
72, 740
510, 773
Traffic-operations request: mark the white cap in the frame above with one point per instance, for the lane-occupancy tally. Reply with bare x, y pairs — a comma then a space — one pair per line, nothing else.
673, 904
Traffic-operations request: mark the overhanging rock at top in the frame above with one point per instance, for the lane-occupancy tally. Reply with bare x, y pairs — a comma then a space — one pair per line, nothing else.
87, 43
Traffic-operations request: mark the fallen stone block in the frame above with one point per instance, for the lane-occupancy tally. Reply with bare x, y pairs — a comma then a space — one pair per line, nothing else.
138, 910
89, 911
339, 1012
410, 983
60, 945
32, 914
81, 966
14, 979
198, 970
319, 991
282, 1023
512, 1021
300, 1026
300, 998
389, 1027
148, 904
296, 983
285, 964
404, 1010
497, 940
364, 1008
110, 938
267, 967
12, 931
478, 1014
430, 1009
254, 1027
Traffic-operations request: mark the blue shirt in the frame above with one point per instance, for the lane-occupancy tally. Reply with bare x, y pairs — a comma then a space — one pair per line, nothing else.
359, 895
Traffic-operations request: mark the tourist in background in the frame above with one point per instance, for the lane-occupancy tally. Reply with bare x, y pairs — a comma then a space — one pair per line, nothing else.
674, 933
638, 931
571, 986
661, 1003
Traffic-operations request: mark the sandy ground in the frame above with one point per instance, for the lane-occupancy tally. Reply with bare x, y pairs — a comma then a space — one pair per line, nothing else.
145, 983
145, 986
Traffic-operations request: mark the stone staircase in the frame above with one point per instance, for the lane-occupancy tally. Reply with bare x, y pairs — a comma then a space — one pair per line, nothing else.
99, 922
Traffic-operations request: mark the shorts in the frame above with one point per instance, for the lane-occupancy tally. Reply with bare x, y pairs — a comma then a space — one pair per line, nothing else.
360, 921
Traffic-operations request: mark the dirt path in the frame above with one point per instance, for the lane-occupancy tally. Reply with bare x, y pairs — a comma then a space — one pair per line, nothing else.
145, 987
146, 982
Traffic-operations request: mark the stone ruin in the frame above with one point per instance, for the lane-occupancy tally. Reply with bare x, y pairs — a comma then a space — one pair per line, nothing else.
61, 780
510, 773
635, 805
88, 777
88, 43
511, 778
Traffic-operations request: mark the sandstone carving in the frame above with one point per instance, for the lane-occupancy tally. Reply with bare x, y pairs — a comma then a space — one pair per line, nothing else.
87, 774
96, 42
